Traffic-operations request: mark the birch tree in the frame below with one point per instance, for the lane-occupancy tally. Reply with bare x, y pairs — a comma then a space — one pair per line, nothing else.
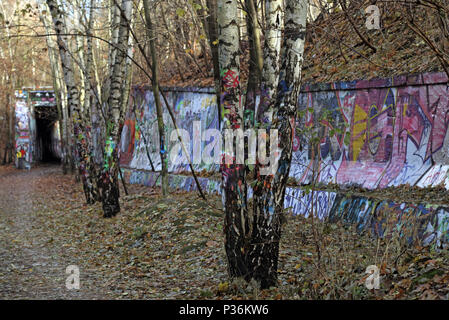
255, 62
73, 102
86, 66
108, 181
233, 175
269, 192
59, 88
252, 235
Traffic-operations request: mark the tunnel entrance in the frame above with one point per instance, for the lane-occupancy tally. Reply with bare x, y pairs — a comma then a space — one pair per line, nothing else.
47, 136
37, 134
45, 140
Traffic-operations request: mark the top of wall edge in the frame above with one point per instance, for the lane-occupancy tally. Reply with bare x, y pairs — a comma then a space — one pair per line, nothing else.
428, 78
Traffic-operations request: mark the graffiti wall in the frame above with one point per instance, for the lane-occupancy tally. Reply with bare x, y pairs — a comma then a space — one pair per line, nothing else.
195, 111
42, 98
392, 135
428, 224
175, 181
22, 131
377, 133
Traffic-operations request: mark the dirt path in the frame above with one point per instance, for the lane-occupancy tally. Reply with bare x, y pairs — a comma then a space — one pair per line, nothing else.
155, 248
32, 265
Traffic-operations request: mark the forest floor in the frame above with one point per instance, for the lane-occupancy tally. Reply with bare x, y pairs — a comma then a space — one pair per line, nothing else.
172, 248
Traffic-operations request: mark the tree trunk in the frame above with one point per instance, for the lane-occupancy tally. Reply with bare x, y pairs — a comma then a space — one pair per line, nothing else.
269, 192
61, 97
10, 130
255, 63
271, 59
108, 182
91, 170
12, 83
233, 174
157, 100
252, 238
73, 99
212, 27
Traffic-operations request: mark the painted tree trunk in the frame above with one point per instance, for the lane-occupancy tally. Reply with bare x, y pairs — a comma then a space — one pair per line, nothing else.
233, 175
108, 182
262, 265
269, 191
252, 238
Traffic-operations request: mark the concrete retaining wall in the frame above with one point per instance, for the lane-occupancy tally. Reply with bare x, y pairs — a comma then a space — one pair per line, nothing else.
392, 132
381, 217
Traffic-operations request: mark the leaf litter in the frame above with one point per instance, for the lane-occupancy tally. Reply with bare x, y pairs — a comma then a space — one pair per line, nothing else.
173, 248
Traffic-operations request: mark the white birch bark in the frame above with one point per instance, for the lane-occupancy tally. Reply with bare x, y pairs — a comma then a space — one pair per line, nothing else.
128, 63
79, 132
233, 175
58, 83
270, 191
108, 182
119, 57
271, 55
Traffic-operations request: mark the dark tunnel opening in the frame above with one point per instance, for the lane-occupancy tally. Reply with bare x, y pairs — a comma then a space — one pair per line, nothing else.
44, 140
